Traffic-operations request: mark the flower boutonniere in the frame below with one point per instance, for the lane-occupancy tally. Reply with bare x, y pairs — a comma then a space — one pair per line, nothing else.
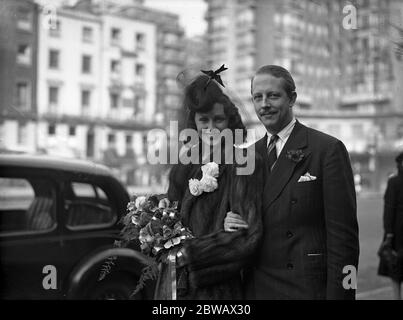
208, 182
295, 155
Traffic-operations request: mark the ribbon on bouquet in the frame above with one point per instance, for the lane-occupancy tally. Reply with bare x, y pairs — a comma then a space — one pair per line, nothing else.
172, 271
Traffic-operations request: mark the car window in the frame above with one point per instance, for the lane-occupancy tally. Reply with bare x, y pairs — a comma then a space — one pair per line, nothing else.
101, 193
83, 190
88, 205
26, 205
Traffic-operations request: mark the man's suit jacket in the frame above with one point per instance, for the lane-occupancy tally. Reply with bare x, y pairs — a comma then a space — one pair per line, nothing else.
310, 228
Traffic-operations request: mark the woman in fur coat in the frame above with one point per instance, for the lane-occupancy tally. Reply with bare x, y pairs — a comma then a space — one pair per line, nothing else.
210, 265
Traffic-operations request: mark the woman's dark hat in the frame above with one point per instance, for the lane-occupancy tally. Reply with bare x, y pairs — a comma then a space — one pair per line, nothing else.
215, 75
204, 91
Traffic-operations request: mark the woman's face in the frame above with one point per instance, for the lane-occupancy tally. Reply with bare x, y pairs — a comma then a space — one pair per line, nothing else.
214, 119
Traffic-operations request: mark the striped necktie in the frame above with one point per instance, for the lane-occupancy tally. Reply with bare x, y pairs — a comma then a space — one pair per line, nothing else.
272, 151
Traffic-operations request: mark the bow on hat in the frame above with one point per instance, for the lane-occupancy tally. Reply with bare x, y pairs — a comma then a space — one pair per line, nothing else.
215, 75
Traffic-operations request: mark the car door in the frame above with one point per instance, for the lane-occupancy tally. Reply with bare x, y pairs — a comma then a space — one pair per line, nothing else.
29, 234
89, 219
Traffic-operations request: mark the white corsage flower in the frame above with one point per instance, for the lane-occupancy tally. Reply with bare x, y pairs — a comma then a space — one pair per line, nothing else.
140, 201
195, 187
210, 169
209, 184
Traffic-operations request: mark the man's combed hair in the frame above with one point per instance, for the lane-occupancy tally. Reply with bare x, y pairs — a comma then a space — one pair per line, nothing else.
278, 72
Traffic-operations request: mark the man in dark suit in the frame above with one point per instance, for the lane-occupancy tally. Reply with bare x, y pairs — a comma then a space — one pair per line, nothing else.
310, 242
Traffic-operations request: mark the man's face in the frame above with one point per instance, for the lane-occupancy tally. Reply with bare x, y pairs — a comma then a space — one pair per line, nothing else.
272, 104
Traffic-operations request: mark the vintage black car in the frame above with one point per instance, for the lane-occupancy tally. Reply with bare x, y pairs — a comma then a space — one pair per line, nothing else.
58, 222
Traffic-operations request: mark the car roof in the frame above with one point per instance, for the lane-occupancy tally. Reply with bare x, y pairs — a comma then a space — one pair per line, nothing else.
50, 162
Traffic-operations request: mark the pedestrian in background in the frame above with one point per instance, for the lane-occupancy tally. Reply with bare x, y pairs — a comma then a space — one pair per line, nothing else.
391, 251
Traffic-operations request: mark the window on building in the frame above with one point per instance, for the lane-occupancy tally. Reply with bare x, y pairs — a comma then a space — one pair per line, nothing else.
129, 140
246, 17
115, 66
22, 95
24, 54
277, 18
85, 98
220, 23
54, 59
171, 38
171, 100
53, 98
72, 131
87, 34
171, 84
22, 136
129, 146
145, 143
24, 19
171, 55
51, 129
140, 70
138, 105
114, 100
55, 28
86, 64
365, 21
111, 138
115, 35
140, 41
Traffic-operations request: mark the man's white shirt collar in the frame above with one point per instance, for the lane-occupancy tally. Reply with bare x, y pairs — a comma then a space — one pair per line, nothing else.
283, 134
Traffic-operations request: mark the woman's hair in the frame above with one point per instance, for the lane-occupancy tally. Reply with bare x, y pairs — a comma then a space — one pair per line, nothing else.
201, 95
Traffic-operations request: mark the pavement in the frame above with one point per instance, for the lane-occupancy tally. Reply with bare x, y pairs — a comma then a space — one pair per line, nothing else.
383, 293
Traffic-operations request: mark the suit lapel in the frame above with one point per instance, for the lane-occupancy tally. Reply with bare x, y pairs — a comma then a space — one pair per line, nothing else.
261, 147
284, 167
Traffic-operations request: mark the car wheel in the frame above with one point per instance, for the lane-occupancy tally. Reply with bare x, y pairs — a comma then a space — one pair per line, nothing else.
115, 288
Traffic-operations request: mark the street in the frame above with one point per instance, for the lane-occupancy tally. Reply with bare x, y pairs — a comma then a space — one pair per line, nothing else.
370, 285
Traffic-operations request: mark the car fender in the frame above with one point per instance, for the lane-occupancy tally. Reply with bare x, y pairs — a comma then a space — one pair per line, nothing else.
86, 267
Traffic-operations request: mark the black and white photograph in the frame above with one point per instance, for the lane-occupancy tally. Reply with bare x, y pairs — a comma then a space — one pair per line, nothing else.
201, 150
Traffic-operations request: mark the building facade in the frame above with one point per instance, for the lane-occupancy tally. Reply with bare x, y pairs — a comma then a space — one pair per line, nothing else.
342, 57
89, 79
18, 75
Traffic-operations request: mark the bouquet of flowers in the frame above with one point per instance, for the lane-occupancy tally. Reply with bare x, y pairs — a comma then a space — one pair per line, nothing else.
157, 227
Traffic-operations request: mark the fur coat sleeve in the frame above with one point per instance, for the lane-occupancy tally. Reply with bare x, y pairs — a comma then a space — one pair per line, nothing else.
220, 255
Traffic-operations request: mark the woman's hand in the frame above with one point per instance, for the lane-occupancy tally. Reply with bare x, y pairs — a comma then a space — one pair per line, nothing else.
181, 257
234, 222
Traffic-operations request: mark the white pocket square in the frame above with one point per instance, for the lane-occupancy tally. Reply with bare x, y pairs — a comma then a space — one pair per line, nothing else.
306, 177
